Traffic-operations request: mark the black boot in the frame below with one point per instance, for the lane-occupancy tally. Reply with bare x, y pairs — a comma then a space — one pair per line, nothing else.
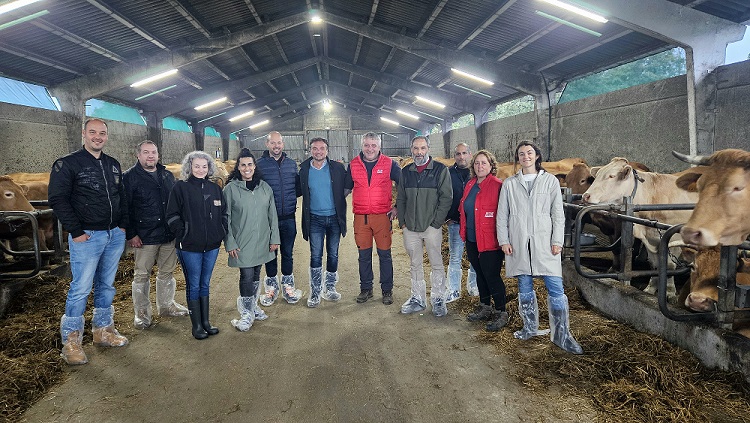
204, 317
195, 317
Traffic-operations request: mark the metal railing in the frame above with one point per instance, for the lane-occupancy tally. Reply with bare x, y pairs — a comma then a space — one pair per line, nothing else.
17, 218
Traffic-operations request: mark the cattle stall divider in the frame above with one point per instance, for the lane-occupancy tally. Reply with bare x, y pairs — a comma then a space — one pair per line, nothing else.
18, 218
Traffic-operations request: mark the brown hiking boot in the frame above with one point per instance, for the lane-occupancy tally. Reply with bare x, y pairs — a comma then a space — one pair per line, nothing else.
72, 352
109, 337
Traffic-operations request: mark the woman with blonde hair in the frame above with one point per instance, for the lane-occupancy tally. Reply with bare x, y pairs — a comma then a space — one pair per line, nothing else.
195, 214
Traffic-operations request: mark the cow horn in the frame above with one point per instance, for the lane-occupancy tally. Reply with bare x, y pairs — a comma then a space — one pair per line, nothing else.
696, 160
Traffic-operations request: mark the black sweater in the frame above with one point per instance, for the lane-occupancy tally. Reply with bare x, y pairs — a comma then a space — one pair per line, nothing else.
195, 214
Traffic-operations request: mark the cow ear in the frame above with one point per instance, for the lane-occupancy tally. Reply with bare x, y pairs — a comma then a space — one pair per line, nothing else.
624, 172
561, 178
24, 189
595, 170
688, 254
688, 181
590, 180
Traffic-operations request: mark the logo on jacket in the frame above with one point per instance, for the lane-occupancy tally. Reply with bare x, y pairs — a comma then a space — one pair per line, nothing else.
380, 171
489, 214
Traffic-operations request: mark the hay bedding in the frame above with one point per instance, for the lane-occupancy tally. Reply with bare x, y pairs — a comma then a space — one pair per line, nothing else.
30, 342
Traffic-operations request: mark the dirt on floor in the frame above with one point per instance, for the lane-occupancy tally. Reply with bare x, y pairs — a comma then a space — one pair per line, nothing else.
347, 362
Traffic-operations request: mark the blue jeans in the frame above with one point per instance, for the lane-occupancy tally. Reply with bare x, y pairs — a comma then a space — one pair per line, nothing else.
456, 252
94, 265
554, 285
287, 233
197, 268
324, 228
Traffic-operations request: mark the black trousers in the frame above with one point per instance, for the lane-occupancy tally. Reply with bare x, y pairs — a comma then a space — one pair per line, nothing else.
249, 280
487, 265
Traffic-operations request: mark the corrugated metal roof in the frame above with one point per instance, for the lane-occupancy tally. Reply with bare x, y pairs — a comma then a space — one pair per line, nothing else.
77, 31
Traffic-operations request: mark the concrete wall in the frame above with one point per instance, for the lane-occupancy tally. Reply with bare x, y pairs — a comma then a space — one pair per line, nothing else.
467, 134
31, 139
502, 135
733, 102
211, 144
234, 149
175, 145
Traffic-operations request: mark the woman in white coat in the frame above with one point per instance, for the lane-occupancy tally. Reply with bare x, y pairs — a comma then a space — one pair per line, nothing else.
530, 224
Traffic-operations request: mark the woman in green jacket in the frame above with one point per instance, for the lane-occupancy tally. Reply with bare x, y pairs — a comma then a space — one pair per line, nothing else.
252, 235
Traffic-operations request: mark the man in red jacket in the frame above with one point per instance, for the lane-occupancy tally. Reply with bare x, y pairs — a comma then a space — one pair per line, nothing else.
370, 176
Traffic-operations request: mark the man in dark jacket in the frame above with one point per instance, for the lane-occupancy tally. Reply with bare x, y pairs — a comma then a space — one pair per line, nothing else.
87, 195
460, 175
323, 218
147, 187
280, 172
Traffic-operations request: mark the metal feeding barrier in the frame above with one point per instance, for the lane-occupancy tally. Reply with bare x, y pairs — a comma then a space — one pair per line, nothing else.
40, 251
731, 297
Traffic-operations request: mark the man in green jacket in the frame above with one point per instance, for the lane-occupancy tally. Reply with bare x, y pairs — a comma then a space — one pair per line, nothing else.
424, 198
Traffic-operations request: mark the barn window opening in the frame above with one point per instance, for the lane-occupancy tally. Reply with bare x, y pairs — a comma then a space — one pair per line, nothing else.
659, 66
175, 124
26, 94
112, 111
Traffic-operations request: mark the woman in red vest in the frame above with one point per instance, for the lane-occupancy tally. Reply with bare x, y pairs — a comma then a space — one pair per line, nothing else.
478, 210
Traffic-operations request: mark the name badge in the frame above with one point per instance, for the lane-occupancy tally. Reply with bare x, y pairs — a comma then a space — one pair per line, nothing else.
217, 203
489, 214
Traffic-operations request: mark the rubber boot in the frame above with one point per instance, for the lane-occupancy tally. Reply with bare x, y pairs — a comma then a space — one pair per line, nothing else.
529, 311
247, 316
165, 303
211, 330
316, 286
329, 290
195, 318
559, 324
141, 304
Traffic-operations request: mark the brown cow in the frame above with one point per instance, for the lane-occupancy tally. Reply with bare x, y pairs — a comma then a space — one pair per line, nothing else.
720, 216
12, 198
702, 293
559, 168
22, 178
617, 180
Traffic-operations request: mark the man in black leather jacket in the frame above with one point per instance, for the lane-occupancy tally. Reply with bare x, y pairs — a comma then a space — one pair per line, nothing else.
87, 195
147, 187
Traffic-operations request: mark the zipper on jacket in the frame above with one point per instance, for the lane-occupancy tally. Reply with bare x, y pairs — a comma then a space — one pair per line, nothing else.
106, 188
205, 227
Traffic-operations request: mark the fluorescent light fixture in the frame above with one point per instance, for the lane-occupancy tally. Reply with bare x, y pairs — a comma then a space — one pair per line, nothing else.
210, 103
474, 91
244, 115
315, 17
427, 114
211, 117
392, 122
154, 78
24, 19
412, 129
570, 24
577, 10
409, 115
327, 105
15, 5
474, 77
316, 35
155, 92
265, 122
430, 102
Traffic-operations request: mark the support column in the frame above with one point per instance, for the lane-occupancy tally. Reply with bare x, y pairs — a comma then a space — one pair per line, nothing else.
446, 139
153, 128
701, 61
74, 108
199, 133
224, 145
480, 118
543, 110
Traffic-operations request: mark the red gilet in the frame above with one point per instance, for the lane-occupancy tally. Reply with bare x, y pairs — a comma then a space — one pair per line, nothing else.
375, 197
485, 212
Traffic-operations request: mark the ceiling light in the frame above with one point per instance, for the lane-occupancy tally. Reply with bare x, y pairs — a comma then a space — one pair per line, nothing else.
316, 35
211, 117
315, 17
154, 78
327, 104
265, 122
474, 91
392, 122
427, 114
430, 102
244, 115
577, 10
409, 115
24, 19
155, 92
15, 5
474, 77
210, 103
568, 23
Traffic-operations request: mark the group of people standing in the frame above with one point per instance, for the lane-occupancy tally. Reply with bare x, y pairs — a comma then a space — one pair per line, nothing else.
164, 220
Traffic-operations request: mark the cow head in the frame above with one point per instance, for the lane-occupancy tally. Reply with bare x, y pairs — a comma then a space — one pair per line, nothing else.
723, 187
13, 196
611, 182
704, 278
579, 178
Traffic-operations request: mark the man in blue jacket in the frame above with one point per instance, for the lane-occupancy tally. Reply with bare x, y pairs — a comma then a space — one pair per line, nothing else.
323, 218
87, 195
280, 172
147, 187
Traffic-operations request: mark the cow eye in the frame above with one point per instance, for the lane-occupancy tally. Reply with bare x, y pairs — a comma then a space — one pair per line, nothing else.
611, 176
738, 189
8, 194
